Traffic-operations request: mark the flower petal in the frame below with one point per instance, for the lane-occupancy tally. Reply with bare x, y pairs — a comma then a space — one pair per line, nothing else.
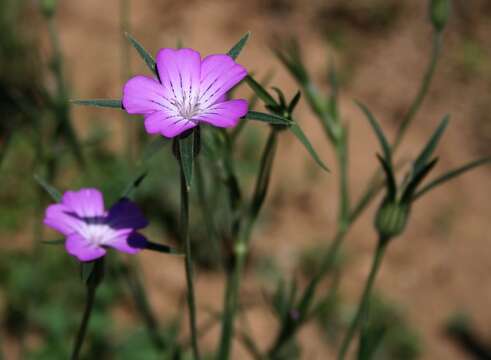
143, 95
126, 215
130, 243
83, 250
179, 72
225, 114
86, 203
219, 73
62, 219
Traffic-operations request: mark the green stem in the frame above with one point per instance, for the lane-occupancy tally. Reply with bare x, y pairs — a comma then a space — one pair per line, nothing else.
189, 264
140, 297
241, 247
423, 90
365, 299
91, 289
125, 67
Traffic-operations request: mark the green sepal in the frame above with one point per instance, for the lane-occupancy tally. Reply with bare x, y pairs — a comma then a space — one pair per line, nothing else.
237, 48
144, 54
51, 190
297, 131
102, 103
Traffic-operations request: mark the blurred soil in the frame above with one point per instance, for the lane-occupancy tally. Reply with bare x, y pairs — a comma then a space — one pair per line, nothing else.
442, 264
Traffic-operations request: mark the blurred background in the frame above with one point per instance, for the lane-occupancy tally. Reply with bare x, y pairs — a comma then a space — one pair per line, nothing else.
433, 292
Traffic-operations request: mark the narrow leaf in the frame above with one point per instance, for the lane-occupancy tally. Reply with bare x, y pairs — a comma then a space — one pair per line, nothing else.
294, 102
237, 48
134, 184
297, 131
407, 196
53, 192
281, 96
378, 131
103, 103
430, 146
260, 91
53, 242
450, 175
268, 118
149, 60
389, 178
186, 157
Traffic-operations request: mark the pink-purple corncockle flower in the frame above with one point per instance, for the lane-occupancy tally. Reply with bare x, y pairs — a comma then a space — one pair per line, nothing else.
189, 90
90, 229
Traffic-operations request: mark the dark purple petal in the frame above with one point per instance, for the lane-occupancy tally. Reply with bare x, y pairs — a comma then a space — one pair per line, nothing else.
179, 72
143, 95
219, 73
225, 114
86, 203
130, 243
82, 249
126, 215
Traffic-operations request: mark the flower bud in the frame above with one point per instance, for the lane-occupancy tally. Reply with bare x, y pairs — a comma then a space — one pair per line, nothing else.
48, 7
439, 12
391, 219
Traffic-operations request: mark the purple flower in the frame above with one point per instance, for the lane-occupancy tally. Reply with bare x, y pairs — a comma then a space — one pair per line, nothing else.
89, 228
190, 90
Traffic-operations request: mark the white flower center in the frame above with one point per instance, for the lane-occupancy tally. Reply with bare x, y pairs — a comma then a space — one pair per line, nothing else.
97, 233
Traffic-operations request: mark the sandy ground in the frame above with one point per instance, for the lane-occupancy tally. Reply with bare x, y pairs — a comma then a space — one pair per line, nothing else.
442, 262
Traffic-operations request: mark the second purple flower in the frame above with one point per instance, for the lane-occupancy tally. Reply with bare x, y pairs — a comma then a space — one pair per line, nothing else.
190, 90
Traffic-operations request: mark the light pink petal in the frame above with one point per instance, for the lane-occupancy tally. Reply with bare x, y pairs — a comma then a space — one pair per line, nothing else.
83, 250
155, 122
143, 95
219, 73
179, 72
86, 203
225, 114
130, 243
62, 219
173, 128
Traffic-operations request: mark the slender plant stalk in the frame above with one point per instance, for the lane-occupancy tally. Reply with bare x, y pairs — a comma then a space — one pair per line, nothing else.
189, 264
125, 11
91, 289
241, 247
365, 299
423, 90
140, 297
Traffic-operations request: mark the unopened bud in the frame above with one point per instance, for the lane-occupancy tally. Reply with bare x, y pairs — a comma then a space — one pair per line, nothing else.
439, 13
391, 219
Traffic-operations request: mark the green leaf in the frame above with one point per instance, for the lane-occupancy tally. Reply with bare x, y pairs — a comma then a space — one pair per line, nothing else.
450, 175
237, 48
378, 131
134, 184
294, 102
162, 248
427, 151
268, 118
260, 91
154, 147
297, 131
53, 242
186, 156
103, 103
149, 60
410, 189
52, 191
281, 96
389, 178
